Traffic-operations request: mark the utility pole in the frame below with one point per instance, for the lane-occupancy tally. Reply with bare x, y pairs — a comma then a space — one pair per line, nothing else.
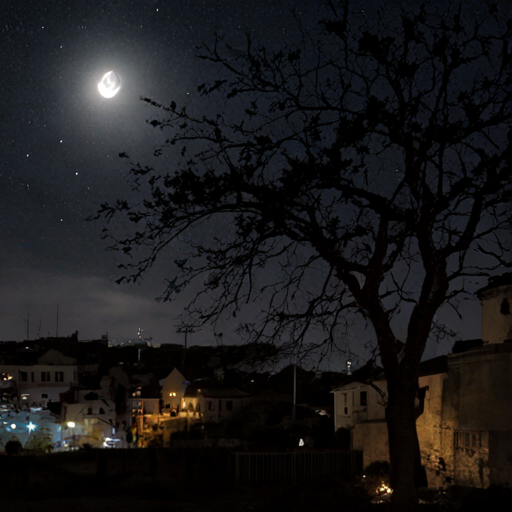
185, 347
28, 326
294, 391
57, 328
184, 329
39, 327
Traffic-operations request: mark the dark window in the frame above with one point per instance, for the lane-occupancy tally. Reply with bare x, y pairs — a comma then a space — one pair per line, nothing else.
44, 396
505, 307
229, 405
198, 407
59, 376
363, 398
220, 405
32, 377
89, 410
210, 405
345, 402
45, 376
23, 376
102, 411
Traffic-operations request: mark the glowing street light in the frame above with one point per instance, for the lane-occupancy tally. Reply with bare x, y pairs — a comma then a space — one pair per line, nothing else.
31, 427
13, 425
71, 425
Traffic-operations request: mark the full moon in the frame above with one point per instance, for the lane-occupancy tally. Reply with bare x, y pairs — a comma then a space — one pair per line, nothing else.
110, 84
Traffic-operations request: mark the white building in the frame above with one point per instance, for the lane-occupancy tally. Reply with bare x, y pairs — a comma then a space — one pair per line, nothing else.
91, 418
43, 382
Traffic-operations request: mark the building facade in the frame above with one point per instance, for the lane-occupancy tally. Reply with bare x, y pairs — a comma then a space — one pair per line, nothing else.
464, 404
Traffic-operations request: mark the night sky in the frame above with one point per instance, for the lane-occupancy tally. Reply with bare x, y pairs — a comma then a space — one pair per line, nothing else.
60, 141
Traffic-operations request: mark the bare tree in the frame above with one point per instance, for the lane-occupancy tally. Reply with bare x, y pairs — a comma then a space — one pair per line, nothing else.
364, 171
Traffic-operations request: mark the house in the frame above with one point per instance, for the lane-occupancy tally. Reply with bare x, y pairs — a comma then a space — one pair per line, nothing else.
173, 390
360, 407
42, 382
214, 404
89, 416
464, 404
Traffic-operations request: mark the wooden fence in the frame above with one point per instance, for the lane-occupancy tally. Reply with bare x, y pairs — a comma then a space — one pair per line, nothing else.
270, 467
182, 467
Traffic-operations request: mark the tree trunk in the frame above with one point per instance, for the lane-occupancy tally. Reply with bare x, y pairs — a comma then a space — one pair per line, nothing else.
404, 450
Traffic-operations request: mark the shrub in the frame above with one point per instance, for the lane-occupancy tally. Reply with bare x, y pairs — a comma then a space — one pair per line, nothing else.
13, 447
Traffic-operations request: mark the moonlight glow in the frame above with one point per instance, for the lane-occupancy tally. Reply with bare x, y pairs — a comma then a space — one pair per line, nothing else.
110, 84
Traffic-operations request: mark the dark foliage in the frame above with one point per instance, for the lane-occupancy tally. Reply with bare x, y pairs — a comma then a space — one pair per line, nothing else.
13, 447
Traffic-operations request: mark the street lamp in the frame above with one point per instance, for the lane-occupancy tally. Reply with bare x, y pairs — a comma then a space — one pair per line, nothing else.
71, 425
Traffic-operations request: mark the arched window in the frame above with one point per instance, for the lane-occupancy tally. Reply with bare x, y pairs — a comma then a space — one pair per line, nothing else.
505, 307
102, 411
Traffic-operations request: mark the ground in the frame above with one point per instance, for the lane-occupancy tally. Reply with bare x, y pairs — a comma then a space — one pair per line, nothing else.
329, 495
84, 482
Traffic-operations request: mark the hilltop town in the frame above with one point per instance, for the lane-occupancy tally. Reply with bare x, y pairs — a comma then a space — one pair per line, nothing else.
62, 394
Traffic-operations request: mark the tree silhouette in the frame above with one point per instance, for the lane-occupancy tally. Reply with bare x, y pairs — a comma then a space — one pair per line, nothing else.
363, 171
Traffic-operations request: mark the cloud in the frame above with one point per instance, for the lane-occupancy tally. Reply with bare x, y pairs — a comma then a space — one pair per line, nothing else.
91, 305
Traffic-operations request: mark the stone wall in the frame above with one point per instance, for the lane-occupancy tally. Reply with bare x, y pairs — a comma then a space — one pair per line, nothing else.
430, 432
500, 457
496, 314
372, 438
471, 459
478, 389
